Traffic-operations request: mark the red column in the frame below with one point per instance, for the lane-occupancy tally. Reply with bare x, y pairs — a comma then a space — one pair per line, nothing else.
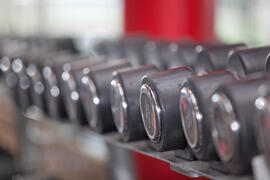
172, 19
201, 18
150, 168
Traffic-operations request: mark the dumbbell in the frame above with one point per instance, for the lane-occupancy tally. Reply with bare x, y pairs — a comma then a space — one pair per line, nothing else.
53, 98
125, 88
133, 49
34, 59
155, 58
195, 96
70, 75
12, 48
129, 48
95, 93
124, 94
160, 106
152, 53
10, 77
262, 126
233, 121
83, 85
110, 48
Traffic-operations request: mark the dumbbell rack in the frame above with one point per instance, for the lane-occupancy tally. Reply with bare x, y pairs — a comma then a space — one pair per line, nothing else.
186, 167
34, 119
189, 168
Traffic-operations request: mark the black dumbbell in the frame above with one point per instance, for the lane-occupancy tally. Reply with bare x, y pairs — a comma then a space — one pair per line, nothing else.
170, 141
194, 100
13, 48
159, 107
34, 59
233, 121
262, 127
96, 95
213, 58
251, 61
195, 96
30, 84
124, 95
152, 53
125, 87
174, 53
69, 86
23, 84
133, 49
110, 48
53, 97
10, 77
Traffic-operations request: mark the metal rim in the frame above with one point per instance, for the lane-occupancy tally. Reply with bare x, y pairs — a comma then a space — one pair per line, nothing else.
93, 101
197, 116
220, 100
17, 65
5, 64
72, 96
150, 111
263, 129
119, 110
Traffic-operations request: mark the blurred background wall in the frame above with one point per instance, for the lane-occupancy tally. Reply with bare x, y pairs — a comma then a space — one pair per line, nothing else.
77, 18
232, 21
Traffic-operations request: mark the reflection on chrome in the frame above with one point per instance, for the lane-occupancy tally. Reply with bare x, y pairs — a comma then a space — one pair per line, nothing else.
74, 95
84, 79
224, 126
151, 112
118, 104
260, 103
31, 70
54, 91
66, 67
86, 70
5, 64
17, 65
39, 87
191, 117
263, 125
94, 102
46, 71
65, 76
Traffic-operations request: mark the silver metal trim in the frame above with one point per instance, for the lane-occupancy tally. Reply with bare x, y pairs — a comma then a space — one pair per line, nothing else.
117, 113
94, 101
187, 92
222, 101
147, 92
